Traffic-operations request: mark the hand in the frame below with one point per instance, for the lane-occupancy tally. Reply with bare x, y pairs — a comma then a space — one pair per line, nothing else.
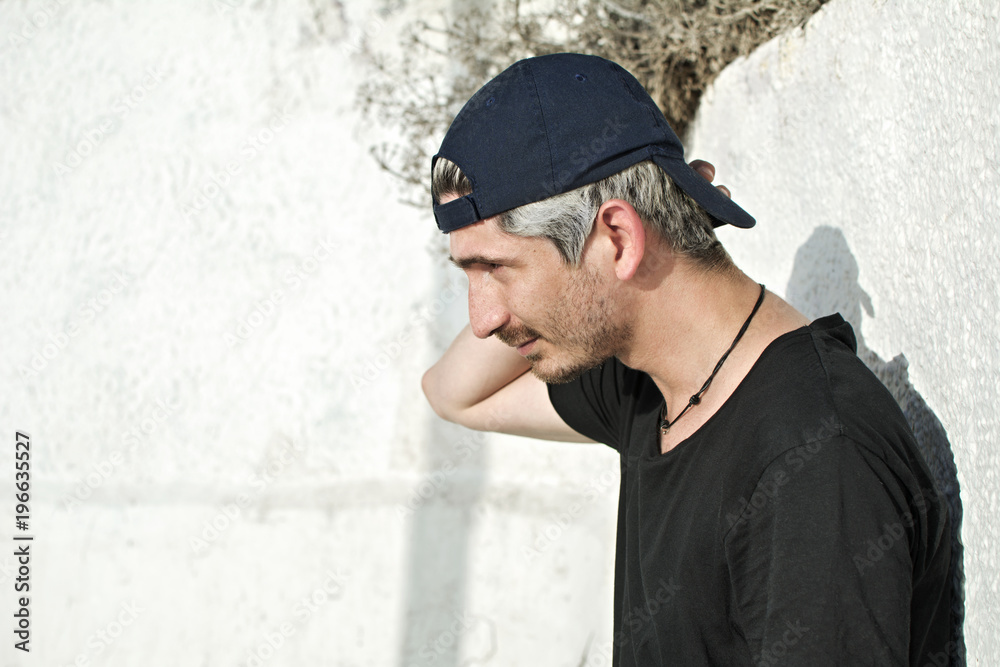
707, 171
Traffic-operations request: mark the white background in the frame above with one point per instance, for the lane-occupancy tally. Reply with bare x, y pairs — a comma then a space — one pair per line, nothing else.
218, 315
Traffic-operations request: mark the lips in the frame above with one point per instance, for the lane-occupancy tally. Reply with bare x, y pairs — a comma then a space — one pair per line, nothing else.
525, 348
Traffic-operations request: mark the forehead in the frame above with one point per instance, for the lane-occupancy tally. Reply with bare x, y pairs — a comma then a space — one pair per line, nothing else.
480, 239
485, 242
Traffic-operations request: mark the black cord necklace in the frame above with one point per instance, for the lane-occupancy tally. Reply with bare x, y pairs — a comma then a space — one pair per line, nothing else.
696, 399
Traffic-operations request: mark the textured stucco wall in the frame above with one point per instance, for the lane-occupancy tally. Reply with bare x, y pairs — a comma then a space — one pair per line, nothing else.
220, 371
866, 144
217, 316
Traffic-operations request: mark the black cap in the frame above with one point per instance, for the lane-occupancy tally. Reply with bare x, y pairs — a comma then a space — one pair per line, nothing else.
554, 123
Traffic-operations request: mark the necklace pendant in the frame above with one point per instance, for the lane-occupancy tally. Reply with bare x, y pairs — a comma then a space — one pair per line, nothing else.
696, 399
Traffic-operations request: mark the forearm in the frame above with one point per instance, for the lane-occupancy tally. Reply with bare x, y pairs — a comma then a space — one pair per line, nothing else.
470, 371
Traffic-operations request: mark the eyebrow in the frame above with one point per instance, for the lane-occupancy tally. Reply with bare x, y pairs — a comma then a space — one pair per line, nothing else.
465, 262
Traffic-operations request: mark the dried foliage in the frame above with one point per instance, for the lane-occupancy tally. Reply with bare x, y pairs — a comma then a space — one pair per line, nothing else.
675, 48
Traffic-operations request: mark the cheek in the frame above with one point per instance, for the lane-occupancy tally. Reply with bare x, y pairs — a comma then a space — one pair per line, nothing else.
520, 294
538, 297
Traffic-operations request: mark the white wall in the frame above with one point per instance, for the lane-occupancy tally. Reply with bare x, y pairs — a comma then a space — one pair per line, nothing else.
866, 145
351, 526
235, 358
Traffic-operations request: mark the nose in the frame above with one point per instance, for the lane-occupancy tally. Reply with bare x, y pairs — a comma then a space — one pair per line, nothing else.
486, 312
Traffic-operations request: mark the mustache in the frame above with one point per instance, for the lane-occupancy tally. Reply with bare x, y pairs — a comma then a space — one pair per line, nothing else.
515, 335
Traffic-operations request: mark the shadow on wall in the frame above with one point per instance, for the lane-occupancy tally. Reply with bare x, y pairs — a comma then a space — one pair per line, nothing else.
439, 628
824, 280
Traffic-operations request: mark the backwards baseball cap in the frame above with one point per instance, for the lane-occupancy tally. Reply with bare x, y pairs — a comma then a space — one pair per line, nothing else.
554, 123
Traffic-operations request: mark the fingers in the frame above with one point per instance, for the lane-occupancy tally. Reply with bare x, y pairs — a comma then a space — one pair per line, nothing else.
707, 171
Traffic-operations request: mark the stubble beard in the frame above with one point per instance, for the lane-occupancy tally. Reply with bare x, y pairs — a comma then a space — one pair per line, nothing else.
585, 328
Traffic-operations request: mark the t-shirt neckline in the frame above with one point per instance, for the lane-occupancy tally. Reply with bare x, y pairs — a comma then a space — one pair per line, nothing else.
652, 451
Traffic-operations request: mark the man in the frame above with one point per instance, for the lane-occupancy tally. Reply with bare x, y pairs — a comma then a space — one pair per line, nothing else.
773, 506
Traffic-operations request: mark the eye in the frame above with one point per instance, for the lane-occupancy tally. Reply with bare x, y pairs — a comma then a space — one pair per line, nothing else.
498, 271
488, 267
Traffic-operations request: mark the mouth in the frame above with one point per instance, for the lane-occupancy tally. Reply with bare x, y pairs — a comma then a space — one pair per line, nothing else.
525, 348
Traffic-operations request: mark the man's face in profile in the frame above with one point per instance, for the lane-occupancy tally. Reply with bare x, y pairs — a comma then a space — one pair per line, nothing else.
563, 319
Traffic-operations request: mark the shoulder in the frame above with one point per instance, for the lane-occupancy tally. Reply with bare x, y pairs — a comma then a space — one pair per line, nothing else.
812, 410
602, 401
810, 384
810, 387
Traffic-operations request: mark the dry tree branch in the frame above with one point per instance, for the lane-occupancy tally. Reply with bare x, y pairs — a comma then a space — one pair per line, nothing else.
675, 48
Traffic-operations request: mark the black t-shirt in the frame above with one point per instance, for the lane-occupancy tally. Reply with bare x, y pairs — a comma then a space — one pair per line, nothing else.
797, 526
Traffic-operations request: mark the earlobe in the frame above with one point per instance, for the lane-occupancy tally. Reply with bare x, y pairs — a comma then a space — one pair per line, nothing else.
626, 233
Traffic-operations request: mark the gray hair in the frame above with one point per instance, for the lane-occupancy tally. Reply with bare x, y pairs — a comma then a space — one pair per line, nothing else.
568, 218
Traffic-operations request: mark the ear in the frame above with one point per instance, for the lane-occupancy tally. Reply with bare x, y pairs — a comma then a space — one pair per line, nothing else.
622, 227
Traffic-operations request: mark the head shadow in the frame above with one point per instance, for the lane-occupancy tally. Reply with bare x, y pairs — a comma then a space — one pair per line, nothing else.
824, 280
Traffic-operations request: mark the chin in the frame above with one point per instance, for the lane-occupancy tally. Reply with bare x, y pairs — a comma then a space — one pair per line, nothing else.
552, 373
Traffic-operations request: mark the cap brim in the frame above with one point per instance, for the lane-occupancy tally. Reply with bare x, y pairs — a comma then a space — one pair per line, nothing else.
718, 205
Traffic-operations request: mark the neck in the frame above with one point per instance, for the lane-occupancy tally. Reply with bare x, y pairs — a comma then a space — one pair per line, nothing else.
685, 325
